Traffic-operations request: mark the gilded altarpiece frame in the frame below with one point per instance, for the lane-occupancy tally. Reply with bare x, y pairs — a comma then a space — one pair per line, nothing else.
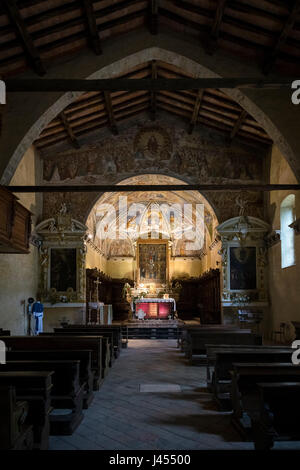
152, 255
62, 236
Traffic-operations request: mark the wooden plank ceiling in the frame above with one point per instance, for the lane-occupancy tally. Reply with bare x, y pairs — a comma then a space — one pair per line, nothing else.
35, 33
95, 110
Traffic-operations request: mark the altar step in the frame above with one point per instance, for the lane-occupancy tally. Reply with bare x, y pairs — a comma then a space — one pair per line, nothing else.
142, 332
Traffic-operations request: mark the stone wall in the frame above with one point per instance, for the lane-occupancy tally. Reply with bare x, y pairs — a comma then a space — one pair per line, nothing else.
18, 272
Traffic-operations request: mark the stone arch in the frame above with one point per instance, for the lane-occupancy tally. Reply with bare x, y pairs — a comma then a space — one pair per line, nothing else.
174, 178
175, 196
171, 53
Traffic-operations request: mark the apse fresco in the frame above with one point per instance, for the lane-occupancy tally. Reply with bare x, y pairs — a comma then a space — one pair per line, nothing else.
152, 263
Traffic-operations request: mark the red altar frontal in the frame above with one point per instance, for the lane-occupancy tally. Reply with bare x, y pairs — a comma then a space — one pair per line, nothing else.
155, 308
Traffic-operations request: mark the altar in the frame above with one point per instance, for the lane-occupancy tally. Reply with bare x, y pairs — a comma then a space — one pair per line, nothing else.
155, 308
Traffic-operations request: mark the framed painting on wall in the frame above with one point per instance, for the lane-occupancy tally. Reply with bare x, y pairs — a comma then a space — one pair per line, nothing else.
243, 268
152, 262
63, 269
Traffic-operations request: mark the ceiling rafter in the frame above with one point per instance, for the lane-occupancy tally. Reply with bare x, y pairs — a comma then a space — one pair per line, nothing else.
282, 38
210, 107
212, 44
196, 110
71, 136
31, 52
92, 26
153, 104
110, 113
153, 12
238, 124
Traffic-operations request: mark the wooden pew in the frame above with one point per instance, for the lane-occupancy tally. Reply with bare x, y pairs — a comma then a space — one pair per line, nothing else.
108, 357
34, 388
245, 392
211, 350
105, 346
224, 360
278, 416
57, 343
197, 340
66, 393
15, 432
187, 329
85, 371
116, 331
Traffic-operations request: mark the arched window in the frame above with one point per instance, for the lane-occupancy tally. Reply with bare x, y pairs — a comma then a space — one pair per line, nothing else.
287, 235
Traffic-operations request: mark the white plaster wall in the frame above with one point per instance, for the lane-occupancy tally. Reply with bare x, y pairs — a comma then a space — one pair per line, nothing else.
284, 284
18, 272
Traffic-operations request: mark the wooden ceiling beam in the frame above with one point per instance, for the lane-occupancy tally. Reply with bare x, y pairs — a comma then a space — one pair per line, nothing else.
153, 20
110, 113
196, 109
153, 106
22, 33
93, 32
148, 187
212, 44
238, 124
287, 28
71, 136
131, 84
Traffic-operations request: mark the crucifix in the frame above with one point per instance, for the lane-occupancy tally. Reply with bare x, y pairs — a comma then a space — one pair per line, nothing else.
97, 282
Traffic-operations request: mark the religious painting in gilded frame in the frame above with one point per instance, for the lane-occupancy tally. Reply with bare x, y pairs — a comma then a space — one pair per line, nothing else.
243, 268
152, 262
63, 269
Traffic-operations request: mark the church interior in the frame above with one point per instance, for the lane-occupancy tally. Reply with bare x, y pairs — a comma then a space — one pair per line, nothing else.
149, 225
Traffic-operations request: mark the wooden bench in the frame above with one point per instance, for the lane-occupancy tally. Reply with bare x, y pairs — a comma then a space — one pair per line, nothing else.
278, 416
107, 334
105, 346
197, 341
57, 343
85, 371
66, 393
187, 329
211, 350
224, 360
15, 433
245, 392
34, 388
115, 330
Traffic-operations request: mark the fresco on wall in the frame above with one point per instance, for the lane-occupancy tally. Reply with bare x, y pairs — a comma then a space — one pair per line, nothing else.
203, 157
157, 150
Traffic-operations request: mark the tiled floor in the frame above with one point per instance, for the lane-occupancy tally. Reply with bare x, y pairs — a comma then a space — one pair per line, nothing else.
123, 416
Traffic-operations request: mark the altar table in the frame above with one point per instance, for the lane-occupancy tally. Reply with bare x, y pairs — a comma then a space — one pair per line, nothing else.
156, 308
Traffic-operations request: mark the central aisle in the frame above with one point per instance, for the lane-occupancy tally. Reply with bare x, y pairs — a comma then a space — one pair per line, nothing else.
177, 412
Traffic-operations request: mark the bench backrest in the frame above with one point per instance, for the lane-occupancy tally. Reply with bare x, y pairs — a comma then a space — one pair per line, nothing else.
224, 359
55, 342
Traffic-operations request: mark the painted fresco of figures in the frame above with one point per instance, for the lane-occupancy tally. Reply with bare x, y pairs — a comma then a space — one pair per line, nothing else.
157, 147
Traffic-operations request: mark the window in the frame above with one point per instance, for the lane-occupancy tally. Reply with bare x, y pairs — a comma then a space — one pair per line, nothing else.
287, 235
